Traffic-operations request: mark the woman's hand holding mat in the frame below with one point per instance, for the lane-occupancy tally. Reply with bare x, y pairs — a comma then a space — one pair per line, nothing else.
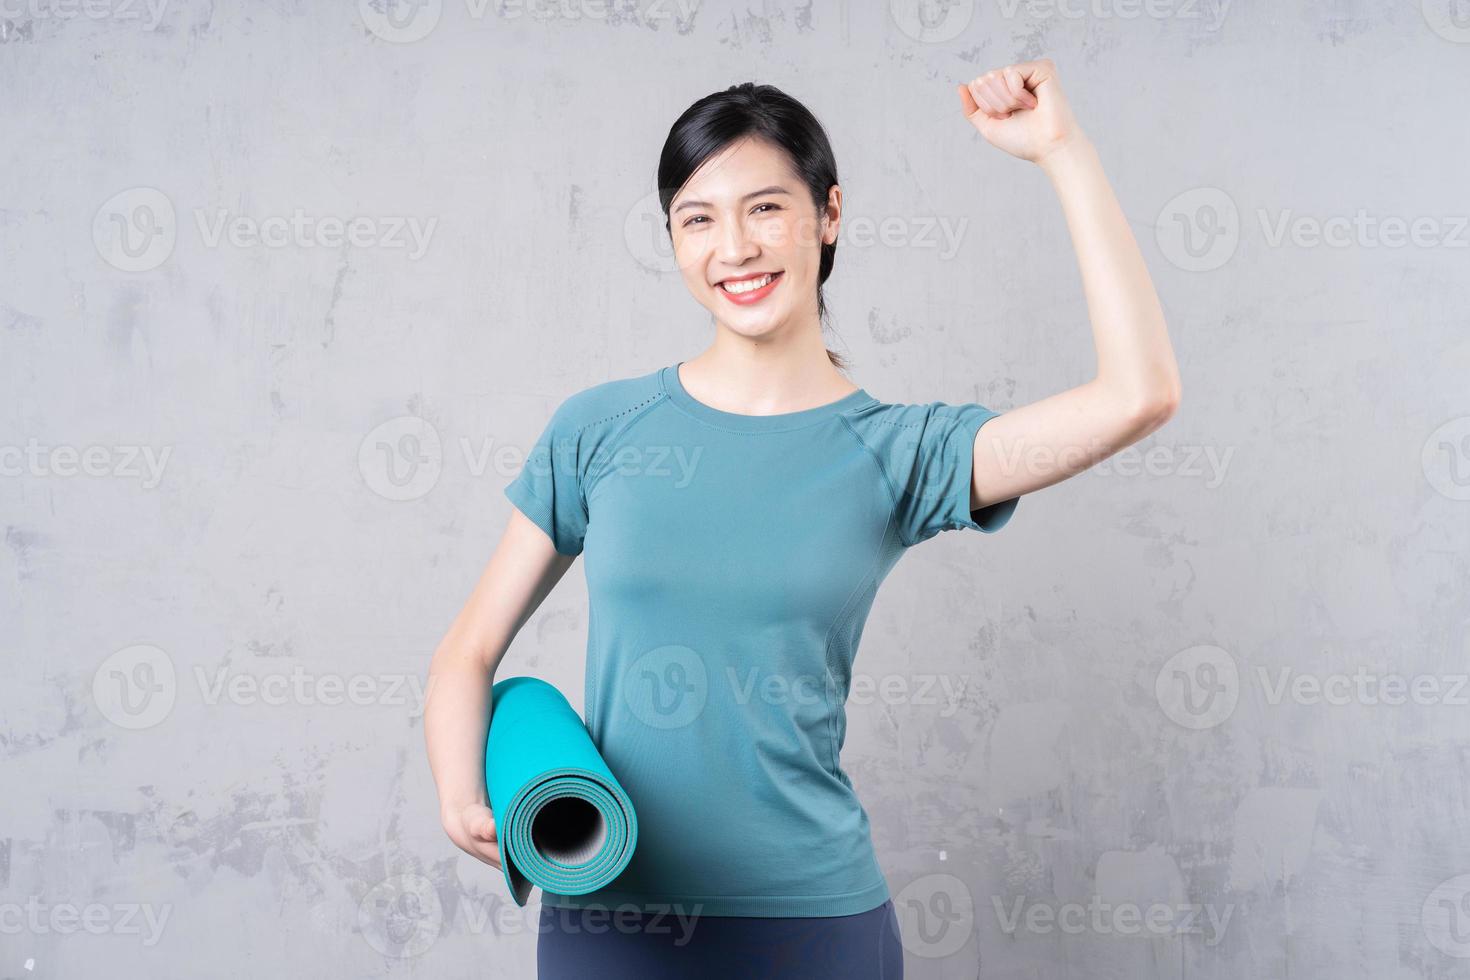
565, 824
472, 827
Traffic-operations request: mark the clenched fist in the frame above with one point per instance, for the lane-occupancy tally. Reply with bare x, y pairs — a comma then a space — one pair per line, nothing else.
1021, 109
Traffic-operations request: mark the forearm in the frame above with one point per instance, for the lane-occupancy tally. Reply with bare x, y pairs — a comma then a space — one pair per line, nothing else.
519, 575
456, 720
1134, 356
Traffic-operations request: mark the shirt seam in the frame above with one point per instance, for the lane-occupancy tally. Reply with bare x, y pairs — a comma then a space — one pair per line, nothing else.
883, 471
664, 390
632, 408
726, 898
644, 408
857, 590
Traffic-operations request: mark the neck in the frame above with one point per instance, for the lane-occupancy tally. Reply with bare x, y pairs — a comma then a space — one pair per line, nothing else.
785, 372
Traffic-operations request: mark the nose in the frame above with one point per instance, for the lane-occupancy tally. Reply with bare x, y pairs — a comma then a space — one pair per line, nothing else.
735, 243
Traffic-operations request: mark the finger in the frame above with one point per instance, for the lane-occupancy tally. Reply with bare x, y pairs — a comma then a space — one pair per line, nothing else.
967, 101
1017, 87
977, 92
482, 826
1036, 73
1012, 97
480, 850
998, 96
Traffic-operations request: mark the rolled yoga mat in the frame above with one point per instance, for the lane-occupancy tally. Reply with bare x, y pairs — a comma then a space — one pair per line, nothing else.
564, 823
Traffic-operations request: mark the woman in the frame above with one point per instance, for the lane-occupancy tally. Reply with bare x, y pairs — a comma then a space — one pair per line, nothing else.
738, 511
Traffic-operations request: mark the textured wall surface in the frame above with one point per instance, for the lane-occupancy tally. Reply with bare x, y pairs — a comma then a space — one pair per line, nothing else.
288, 288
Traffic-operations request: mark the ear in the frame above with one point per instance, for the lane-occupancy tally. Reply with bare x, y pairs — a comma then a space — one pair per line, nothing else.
832, 214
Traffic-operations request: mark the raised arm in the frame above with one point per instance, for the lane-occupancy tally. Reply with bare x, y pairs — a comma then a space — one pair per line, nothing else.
520, 574
1021, 109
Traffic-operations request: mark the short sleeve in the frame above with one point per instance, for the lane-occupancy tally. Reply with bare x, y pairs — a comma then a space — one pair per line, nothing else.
936, 454
548, 488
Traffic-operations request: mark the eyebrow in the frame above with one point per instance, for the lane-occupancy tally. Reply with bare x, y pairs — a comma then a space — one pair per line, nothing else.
773, 189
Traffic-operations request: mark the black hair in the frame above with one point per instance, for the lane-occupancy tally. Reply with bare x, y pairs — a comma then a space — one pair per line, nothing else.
763, 111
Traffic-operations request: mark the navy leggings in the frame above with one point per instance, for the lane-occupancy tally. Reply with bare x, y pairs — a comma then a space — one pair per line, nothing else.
624, 945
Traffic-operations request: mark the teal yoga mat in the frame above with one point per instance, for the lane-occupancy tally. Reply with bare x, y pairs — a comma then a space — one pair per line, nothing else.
564, 823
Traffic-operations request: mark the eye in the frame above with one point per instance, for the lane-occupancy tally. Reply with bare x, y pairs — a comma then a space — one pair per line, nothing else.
692, 220
768, 204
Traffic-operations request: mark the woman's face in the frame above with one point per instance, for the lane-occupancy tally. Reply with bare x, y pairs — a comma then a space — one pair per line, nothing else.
743, 216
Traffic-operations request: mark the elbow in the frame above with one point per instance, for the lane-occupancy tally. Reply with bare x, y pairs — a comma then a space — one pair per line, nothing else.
1157, 408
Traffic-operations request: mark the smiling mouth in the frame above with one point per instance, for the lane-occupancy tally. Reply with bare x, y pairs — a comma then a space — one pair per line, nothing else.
737, 287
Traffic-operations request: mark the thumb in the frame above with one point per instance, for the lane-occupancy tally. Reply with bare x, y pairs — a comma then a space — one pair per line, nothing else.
482, 825
967, 101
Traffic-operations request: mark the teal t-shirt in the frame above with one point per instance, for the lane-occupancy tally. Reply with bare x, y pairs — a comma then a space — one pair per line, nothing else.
731, 562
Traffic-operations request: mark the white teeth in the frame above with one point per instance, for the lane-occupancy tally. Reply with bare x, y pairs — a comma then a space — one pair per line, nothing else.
747, 285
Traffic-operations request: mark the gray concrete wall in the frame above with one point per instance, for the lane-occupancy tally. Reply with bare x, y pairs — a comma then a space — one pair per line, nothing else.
287, 289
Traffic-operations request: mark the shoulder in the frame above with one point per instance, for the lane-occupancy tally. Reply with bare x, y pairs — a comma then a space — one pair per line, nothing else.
607, 404
880, 422
904, 436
